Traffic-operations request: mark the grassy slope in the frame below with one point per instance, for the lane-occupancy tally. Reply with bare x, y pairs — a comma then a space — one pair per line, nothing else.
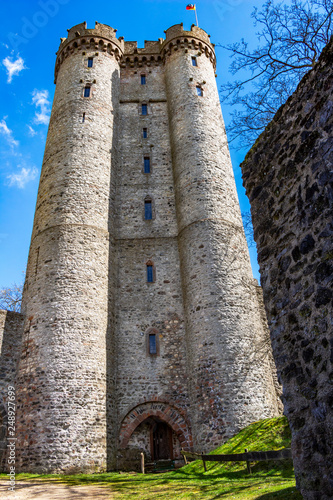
269, 481
268, 434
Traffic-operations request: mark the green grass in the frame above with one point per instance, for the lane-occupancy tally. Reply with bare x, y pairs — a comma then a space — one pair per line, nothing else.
269, 480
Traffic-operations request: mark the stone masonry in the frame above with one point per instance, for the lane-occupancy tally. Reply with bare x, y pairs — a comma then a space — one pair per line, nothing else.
11, 327
288, 176
142, 315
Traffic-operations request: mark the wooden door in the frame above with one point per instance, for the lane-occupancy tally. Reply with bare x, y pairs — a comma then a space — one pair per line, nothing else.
162, 441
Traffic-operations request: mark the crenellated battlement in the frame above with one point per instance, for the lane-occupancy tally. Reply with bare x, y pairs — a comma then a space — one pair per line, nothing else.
177, 30
196, 39
102, 38
154, 52
149, 55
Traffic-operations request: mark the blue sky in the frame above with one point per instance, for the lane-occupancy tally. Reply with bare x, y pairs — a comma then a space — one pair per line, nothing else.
31, 32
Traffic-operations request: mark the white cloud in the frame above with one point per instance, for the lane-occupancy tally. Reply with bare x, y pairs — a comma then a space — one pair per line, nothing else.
31, 132
40, 99
23, 177
5, 131
13, 67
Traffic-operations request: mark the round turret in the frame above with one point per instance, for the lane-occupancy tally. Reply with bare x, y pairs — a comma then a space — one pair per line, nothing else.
224, 329
63, 375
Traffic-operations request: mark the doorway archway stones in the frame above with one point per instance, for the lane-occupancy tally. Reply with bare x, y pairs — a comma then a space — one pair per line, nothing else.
175, 417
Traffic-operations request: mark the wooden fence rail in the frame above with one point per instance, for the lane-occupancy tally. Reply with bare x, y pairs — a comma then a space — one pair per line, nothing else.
248, 456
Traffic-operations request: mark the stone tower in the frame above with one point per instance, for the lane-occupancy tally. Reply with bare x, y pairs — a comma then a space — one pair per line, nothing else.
143, 329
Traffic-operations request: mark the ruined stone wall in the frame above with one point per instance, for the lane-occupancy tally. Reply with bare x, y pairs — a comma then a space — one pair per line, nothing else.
11, 329
288, 179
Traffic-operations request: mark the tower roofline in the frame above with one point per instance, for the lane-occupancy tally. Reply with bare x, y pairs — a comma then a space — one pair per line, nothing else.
195, 32
103, 38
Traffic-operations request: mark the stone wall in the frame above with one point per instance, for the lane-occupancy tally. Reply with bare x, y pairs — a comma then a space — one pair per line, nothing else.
288, 179
11, 329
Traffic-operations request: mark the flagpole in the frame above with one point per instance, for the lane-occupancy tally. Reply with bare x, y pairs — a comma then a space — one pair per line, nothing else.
196, 17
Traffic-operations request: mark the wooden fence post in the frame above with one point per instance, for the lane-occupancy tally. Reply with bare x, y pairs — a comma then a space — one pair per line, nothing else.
184, 457
142, 463
204, 463
248, 464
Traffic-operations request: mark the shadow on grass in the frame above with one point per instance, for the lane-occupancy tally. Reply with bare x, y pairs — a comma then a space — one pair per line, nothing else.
185, 484
285, 494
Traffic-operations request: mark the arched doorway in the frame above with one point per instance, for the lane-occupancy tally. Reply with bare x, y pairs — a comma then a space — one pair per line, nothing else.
158, 429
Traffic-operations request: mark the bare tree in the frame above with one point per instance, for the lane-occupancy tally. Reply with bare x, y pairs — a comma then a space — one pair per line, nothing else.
248, 228
291, 38
11, 298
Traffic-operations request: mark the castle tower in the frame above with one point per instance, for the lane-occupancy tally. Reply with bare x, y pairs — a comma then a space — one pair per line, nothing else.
62, 415
143, 329
227, 376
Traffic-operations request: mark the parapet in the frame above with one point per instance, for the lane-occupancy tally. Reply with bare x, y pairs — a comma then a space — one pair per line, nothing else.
100, 31
102, 37
177, 30
197, 38
151, 47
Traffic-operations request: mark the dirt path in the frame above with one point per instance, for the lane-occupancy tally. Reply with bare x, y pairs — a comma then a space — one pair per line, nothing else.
29, 490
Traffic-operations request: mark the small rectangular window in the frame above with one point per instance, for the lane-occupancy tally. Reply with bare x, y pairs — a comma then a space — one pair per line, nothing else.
144, 109
143, 79
144, 133
86, 91
194, 61
148, 210
83, 117
150, 274
90, 62
199, 91
152, 344
146, 165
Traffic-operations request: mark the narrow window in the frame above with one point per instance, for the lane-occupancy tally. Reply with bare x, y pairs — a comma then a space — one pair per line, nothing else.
143, 79
90, 62
146, 165
148, 210
37, 258
87, 91
144, 133
144, 109
199, 91
194, 61
152, 343
83, 117
150, 273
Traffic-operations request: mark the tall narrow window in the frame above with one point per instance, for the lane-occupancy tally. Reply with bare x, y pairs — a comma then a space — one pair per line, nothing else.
144, 133
143, 79
148, 210
152, 343
90, 62
194, 61
86, 91
146, 165
36, 263
199, 91
144, 109
150, 273
83, 117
